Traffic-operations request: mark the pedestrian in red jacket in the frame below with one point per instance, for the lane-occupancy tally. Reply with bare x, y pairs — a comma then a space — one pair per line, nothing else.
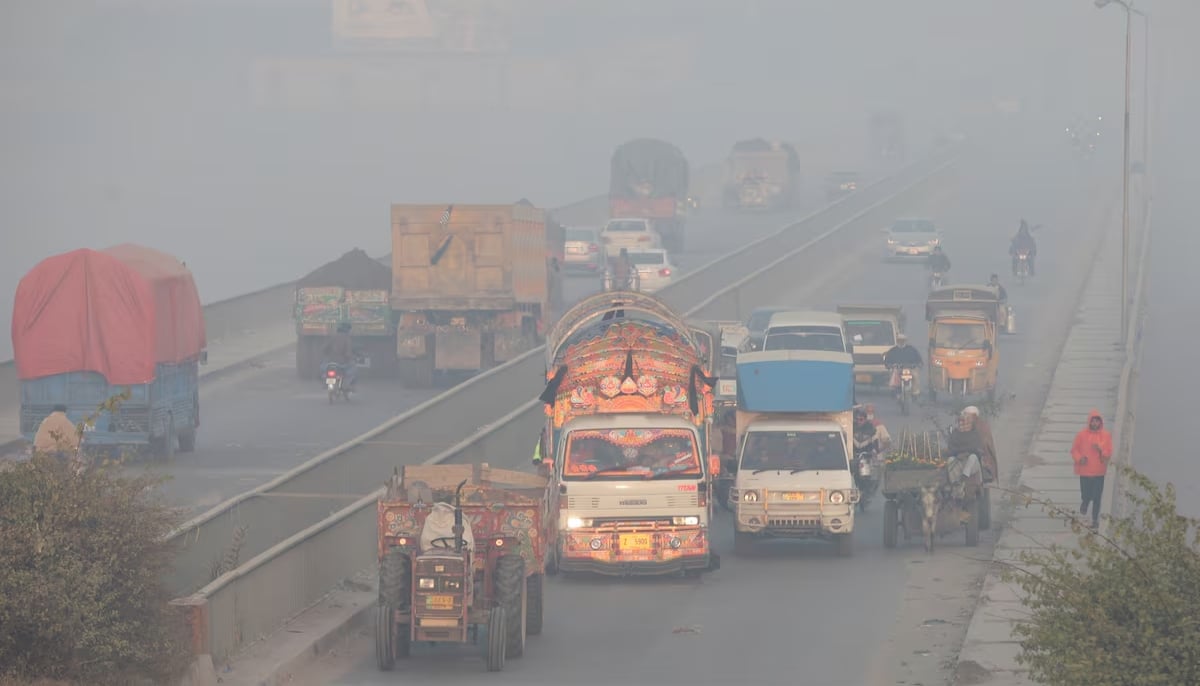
1091, 452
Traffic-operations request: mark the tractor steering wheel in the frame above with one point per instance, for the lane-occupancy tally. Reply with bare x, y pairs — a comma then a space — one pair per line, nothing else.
443, 542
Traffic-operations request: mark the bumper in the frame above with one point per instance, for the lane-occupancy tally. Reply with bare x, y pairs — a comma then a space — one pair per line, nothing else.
640, 568
909, 251
795, 525
576, 552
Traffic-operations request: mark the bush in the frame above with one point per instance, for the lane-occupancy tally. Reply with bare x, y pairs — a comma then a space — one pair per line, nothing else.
1121, 608
81, 561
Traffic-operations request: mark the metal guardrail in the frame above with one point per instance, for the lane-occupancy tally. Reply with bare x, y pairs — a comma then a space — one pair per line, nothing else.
298, 569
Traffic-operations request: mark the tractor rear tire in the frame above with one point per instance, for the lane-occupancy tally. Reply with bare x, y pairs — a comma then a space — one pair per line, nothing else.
533, 604
497, 632
509, 579
385, 645
395, 593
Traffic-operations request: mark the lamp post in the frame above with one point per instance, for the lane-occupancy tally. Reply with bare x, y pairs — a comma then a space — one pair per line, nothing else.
1129, 12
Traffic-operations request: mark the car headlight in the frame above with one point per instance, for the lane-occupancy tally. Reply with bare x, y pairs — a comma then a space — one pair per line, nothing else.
750, 496
837, 497
578, 522
891, 241
427, 584
937, 363
685, 521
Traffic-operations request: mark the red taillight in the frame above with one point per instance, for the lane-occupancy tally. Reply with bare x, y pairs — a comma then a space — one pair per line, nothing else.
643, 239
592, 247
664, 272
331, 373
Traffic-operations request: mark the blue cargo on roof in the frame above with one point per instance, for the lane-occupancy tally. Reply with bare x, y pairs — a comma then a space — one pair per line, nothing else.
795, 381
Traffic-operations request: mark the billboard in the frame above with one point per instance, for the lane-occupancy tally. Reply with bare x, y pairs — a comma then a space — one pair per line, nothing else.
433, 26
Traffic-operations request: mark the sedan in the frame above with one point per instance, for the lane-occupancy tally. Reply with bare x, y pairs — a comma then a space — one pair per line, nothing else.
582, 250
654, 268
911, 238
632, 234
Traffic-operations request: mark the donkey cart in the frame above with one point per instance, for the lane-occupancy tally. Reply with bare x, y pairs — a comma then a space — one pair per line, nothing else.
933, 500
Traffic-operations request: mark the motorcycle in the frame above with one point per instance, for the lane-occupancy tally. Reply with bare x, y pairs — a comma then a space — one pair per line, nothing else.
936, 280
1022, 266
633, 282
335, 382
864, 477
905, 394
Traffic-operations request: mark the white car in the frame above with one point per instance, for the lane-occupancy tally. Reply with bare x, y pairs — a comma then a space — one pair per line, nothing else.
631, 234
911, 238
654, 268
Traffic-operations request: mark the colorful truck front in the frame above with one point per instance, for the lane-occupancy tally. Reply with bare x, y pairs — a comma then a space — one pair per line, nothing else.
628, 401
795, 429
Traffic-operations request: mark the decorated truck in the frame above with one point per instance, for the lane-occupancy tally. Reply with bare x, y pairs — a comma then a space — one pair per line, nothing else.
795, 427
473, 286
650, 181
628, 402
89, 325
354, 288
762, 175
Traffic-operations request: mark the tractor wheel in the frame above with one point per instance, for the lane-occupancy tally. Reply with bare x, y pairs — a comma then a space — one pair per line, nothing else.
510, 594
497, 631
533, 604
891, 523
385, 645
395, 593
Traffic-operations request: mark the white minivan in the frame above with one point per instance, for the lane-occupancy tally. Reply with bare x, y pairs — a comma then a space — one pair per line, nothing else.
807, 330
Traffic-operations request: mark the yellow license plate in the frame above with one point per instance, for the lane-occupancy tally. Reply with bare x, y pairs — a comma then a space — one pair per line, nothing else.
439, 602
862, 378
794, 496
636, 542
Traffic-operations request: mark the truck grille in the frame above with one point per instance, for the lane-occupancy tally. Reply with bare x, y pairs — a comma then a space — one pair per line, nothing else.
793, 523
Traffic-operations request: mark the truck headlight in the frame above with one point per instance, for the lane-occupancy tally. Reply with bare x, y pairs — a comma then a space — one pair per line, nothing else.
578, 523
685, 521
837, 497
426, 584
750, 496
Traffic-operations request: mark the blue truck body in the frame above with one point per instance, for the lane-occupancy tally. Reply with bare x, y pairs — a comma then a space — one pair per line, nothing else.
166, 408
795, 381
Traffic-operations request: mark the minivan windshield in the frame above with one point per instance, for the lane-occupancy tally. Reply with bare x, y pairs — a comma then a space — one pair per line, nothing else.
872, 332
826, 338
630, 453
798, 451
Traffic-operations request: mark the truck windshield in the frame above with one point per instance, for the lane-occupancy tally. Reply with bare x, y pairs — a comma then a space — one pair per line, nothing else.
872, 332
826, 338
728, 364
631, 453
793, 451
960, 336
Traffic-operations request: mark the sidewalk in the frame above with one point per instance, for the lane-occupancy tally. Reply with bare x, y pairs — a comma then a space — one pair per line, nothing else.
1086, 378
225, 355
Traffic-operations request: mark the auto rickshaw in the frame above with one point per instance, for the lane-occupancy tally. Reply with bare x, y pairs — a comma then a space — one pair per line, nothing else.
963, 324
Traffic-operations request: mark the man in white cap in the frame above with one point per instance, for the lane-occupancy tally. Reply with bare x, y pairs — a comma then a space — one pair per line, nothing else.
991, 465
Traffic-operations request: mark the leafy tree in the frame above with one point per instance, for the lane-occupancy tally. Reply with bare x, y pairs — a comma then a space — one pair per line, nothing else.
82, 555
1123, 607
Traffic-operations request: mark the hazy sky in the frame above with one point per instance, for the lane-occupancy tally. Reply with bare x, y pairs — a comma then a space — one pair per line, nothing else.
221, 132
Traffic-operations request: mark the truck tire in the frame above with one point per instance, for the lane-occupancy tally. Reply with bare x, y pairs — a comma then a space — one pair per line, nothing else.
395, 579
891, 516
187, 440
533, 604
510, 595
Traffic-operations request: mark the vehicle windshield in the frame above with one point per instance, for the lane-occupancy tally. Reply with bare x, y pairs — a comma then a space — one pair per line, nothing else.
759, 319
827, 338
728, 365
959, 336
631, 453
913, 226
794, 451
647, 257
581, 235
872, 332
626, 226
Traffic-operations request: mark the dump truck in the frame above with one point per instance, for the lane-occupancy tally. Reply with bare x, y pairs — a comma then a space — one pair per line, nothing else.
762, 175
356, 289
88, 325
461, 548
650, 181
473, 286
629, 405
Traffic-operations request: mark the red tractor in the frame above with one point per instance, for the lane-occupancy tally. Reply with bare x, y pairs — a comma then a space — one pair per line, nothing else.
448, 570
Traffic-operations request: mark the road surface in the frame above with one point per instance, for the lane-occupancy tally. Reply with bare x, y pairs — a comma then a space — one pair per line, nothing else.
793, 612
264, 422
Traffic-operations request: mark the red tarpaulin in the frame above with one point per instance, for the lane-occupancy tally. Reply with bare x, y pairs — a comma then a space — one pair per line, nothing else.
117, 311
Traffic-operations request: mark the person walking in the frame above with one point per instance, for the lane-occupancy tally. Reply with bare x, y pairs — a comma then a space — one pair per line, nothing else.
1091, 452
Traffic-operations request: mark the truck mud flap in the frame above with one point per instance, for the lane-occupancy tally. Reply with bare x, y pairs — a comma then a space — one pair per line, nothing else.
458, 350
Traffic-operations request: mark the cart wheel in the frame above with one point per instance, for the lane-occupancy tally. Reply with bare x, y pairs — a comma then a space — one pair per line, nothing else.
497, 632
385, 646
985, 509
972, 525
890, 523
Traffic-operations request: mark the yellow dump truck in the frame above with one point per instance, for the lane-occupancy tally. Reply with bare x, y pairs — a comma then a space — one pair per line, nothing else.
473, 286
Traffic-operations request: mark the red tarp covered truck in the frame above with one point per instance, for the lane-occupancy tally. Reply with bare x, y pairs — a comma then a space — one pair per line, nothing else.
89, 323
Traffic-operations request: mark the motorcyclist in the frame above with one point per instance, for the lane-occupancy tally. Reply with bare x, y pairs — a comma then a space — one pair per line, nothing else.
623, 272
903, 355
938, 262
994, 282
881, 433
1023, 241
340, 351
866, 437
